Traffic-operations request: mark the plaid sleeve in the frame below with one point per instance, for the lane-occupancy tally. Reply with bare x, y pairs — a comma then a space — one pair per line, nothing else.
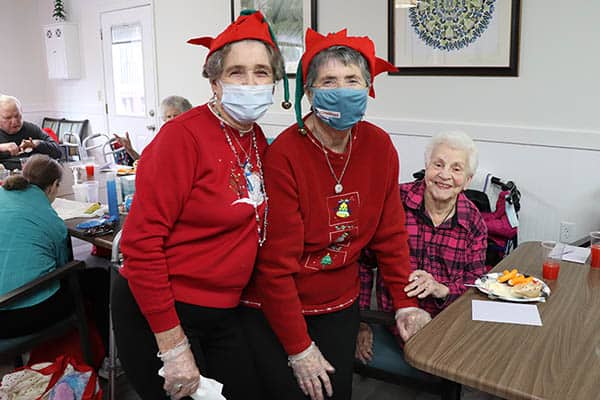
365, 271
475, 266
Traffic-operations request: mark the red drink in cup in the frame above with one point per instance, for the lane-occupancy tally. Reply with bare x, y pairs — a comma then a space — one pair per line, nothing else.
595, 262
551, 269
89, 170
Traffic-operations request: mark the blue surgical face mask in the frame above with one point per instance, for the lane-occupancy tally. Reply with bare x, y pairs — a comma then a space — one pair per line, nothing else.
246, 103
340, 108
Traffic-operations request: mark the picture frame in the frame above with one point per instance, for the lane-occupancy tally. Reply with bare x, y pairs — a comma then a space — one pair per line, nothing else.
289, 20
434, 39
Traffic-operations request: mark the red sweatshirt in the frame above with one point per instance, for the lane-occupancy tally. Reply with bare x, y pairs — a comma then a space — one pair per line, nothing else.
187, 237
308, 264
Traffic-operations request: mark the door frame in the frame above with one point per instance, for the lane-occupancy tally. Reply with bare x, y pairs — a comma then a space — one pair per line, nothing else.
122, 5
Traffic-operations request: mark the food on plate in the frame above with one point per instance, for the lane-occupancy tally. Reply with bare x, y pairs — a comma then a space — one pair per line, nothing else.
530, 290
497, 288
126, 170
507, 275
512, 284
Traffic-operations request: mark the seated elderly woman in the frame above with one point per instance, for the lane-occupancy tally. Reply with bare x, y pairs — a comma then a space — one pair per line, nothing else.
34, 242
447, 238
170, 107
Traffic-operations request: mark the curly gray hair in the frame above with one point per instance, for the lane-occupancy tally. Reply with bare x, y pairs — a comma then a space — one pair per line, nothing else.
456, 140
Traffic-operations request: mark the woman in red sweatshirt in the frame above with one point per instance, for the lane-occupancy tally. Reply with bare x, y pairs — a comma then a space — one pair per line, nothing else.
199, 215
332, 181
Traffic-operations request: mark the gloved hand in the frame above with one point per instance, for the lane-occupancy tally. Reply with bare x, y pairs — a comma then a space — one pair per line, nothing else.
311, 371
410, 320
182, 377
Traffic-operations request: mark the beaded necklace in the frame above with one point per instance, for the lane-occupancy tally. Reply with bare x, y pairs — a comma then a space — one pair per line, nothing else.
246, 168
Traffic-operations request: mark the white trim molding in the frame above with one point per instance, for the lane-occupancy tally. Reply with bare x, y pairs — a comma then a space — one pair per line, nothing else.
480, 132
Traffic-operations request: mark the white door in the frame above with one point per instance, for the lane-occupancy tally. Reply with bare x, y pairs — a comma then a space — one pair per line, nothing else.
129, 74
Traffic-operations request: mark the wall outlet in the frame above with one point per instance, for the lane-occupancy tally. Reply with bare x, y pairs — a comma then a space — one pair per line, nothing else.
567, 232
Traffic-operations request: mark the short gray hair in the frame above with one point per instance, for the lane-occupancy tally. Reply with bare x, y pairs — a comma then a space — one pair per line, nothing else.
343, 54
6, 99
456, 140
214, 65
177, 102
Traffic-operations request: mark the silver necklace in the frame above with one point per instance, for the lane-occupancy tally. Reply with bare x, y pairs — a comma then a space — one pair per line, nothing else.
262, 230
445, 218
338, 188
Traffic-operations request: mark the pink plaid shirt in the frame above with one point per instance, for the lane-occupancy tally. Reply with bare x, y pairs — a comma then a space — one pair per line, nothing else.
453, 252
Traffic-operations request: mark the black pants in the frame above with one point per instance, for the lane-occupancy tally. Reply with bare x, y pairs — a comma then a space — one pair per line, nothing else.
334, 334
94, 286
26, 320
216, 337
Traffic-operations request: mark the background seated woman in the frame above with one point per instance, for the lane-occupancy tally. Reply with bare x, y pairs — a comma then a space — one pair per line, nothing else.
447, 238
34, 242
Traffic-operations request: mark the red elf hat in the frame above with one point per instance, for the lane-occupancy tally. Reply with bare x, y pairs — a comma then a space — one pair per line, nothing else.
246, 26
315, 42
251, 24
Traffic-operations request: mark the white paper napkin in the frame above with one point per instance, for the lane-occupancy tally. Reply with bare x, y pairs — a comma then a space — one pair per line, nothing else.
209, 389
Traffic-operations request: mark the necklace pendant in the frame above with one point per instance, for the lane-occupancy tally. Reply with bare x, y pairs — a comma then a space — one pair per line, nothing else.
338, 188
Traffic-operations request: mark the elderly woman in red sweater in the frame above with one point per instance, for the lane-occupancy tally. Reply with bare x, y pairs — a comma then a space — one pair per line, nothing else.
198, 218
332, 181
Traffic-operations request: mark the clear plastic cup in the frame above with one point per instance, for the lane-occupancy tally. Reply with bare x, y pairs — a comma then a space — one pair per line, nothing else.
89, 163
92, 191
80, 192
552, 254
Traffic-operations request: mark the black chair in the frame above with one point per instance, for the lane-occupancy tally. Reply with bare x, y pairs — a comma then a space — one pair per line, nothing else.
14, 347
447, 390
70, 135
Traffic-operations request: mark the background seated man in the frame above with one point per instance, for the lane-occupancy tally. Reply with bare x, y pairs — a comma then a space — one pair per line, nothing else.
447, 238
170, 107
19, 138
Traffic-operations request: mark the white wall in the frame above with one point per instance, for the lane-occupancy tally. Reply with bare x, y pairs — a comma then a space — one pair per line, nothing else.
22, 72
180, 64
539, 129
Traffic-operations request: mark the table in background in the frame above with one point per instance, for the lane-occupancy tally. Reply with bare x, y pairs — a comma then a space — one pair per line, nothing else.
559, 360
104, 241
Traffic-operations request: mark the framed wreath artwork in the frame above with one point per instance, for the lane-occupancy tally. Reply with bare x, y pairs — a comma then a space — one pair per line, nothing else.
454, 37
289, 20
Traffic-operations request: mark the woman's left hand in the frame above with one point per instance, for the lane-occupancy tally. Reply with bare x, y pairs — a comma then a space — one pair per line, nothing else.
423, 284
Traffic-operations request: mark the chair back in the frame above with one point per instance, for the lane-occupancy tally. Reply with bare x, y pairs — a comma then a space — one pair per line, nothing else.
17, 345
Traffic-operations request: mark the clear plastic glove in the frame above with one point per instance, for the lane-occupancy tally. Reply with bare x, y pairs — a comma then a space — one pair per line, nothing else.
410, 320
423, 284
364, 343
311, 370
181, 374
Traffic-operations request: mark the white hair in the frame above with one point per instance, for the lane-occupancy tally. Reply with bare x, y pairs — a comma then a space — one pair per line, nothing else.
6, 99
456, 140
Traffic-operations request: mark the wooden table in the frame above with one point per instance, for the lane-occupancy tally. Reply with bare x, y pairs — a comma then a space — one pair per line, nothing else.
104, 241
559, 360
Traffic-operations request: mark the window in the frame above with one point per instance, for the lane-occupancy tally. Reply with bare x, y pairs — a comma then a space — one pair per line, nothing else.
128, 70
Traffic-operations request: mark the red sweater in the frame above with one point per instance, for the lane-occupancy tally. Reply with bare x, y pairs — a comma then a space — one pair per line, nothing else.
186, 238
309, 263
